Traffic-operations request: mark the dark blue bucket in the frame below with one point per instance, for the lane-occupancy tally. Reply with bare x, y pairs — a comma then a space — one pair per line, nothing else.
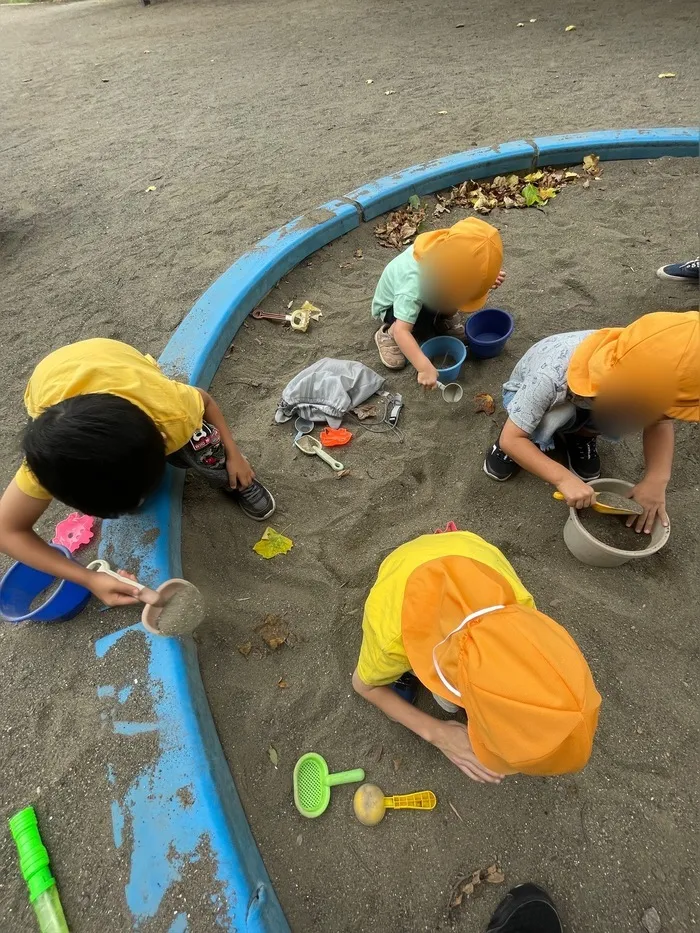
488, 331
22, 584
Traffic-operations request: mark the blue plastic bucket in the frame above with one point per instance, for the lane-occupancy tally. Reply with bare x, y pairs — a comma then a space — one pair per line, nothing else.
22, 584
488, 331
438, 347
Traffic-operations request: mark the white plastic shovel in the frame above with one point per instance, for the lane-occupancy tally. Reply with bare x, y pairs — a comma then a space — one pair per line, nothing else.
309, 445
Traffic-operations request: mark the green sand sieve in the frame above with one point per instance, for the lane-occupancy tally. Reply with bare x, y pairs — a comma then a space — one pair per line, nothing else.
312, 783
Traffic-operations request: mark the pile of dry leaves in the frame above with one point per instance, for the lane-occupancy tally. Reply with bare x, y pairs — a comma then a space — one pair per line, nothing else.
504, 191
466, 884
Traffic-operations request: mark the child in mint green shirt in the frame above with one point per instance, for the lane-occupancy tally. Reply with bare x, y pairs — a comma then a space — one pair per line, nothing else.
428, 284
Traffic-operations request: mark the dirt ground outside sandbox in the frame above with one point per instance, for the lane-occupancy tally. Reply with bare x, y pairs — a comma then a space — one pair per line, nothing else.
609, 841
243, 115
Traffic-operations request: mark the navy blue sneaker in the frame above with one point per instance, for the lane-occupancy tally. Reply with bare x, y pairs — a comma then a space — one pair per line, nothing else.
526, 909
406, 687
680, 271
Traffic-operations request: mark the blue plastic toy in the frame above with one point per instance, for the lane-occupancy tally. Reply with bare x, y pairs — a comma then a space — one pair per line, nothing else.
487, 332
439, 350
21, 585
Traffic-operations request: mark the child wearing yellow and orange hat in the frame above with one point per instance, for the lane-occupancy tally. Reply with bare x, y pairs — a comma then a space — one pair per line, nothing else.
609, 382
451, 609
442, 273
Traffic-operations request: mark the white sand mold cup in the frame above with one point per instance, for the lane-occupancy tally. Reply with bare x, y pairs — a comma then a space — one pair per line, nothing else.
451, 393
180, 607
595, 553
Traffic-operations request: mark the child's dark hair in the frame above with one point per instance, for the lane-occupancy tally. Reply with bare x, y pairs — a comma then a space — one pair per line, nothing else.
97, 453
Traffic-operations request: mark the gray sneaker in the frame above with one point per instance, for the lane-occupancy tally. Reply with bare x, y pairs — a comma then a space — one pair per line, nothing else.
389, 352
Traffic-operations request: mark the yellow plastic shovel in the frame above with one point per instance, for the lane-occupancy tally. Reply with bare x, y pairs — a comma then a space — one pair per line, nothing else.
609, 503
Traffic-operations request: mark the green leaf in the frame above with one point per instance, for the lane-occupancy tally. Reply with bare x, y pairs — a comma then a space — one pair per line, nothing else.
274, 757
531, 195
272, 543
414, 202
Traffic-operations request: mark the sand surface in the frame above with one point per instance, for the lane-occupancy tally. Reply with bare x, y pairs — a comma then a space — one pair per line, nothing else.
243, 115
609, 841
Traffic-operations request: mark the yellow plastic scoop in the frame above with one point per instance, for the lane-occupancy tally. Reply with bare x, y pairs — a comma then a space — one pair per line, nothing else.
609, 503
370, 804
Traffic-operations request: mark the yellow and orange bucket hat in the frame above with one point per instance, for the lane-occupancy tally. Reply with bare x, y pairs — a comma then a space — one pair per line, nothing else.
528, 692
654, 362
464, 260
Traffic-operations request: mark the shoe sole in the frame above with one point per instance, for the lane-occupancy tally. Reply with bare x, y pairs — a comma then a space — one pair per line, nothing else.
585, 479
395, 367
499, 479
675, 278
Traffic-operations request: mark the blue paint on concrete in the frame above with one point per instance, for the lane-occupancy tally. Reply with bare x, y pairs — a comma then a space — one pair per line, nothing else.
125, 693
179, 924
117, 824
134, 728
208, 821
105, 691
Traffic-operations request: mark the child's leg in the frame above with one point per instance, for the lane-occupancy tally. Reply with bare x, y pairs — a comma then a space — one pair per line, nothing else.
205, 455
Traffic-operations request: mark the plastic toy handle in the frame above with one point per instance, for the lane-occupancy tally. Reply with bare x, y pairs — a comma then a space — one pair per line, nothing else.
346, 777
422, 800
558, 495
332, 463
34, 865
101, 566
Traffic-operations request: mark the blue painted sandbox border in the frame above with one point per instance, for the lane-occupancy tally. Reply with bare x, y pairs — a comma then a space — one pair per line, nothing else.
184, 807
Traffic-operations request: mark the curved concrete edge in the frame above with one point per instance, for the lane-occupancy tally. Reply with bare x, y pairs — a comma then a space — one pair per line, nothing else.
185, 802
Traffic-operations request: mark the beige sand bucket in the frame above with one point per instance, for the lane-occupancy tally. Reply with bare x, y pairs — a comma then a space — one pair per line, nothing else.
595, 553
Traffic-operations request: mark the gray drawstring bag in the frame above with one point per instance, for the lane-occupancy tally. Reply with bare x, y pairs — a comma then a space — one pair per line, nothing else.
326, 390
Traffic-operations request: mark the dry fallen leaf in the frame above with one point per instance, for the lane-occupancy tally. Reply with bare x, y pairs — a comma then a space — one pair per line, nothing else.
520, 24
591, 164
370, 81
668, 74
442, 113
569, 29
246, 648
460, 25
289, 304
400, 227
484, 402
389, 92
397, 764
358, 254
272, 543
274, 631
299, 839
274, 757
533, 20
151, 188
456, 900
341, 473
455, 811
374, 755
533, 176
587, 183
282, 683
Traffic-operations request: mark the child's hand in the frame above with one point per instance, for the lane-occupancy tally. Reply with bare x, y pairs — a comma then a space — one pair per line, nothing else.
428, 376
578, 495
453, 741
111, 591
651, 495
240, 472
499, 279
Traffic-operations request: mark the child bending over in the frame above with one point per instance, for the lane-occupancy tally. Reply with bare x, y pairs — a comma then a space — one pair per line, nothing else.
609, 382
103, 421
423, 288
451, 609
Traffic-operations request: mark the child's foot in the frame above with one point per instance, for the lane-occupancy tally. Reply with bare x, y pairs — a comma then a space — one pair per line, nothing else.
406, 687
449, 326
526, 909
255, 501
583, 456
447, 705
498, 465
389, 352
680, 271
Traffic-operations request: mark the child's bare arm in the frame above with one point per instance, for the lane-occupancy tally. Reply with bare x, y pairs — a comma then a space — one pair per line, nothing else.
239, 470
517, 444
18, 515
650, 492
402, 332
448, 735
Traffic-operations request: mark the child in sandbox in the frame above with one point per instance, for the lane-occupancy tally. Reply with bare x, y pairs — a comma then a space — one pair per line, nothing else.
425, 287
451, 609
608, 382
103, 421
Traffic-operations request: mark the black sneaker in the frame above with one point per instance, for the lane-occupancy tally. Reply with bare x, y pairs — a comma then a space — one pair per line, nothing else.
526, 909
680, 271
583, 456
498, 465
255, 500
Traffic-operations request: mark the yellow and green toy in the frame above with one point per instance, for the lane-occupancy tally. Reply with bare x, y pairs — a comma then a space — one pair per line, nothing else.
370, 804
34, 865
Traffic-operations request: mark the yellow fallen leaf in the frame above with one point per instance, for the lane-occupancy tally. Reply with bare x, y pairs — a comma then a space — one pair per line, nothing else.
442, 112
668, 74
533, 176
571, 175
590, 164
272, 543
569, 29
547, 193
370, 81
389, 92
282, 683
151, 188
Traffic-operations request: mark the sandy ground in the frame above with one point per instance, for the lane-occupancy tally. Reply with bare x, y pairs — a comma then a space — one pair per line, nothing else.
243, 115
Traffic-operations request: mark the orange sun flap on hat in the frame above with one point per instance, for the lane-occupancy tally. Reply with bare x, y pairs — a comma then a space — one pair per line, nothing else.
655, 361
463, 261
526, 687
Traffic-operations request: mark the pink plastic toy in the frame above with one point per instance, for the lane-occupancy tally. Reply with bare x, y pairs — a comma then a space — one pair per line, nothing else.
75, 531
450, 526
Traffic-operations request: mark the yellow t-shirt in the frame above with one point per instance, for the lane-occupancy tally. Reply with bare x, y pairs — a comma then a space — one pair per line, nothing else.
383, 658
106, 366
